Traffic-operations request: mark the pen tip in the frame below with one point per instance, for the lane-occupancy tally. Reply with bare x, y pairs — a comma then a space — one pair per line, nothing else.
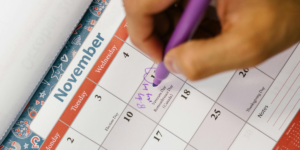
154, 85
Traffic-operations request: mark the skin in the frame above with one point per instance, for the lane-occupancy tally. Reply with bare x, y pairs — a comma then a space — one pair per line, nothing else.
247, 33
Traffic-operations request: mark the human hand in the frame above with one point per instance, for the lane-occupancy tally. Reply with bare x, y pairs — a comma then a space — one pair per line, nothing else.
251, 31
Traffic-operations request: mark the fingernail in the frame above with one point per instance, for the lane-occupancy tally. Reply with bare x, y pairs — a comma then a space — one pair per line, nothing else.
171, 65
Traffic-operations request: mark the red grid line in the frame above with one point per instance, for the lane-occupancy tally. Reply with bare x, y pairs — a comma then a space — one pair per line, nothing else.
286, 105
285, 83
283, 97
289, 114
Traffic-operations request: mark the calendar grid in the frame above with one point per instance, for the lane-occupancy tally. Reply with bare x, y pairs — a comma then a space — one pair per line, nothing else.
157, 123
106, 90
70, 127
133, 47
288, 59
263, 98
237, 135
161, 120
211, 106
246, 121
264, 73
269, 89
127, 104
216, 102
144, 55
102, 147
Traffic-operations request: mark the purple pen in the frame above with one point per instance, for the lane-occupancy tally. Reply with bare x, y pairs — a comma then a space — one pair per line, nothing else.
188, 23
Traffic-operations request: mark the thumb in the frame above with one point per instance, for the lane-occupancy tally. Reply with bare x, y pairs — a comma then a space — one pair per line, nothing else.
198, 59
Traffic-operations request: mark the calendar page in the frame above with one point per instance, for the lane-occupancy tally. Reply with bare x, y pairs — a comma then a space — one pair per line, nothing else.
105, 100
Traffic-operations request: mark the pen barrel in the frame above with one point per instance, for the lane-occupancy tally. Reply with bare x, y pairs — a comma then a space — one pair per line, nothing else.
188, 23
160, 73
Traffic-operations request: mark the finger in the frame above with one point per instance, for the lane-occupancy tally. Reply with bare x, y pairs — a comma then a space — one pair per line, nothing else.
208, 28
141, 25
198, 59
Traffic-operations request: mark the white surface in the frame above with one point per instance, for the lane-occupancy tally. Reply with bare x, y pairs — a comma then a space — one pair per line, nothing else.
32, 33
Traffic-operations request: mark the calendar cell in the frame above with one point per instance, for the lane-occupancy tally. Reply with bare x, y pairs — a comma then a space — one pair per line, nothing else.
106, 110
125, 73
219, 125
189, 148
75, 141
245, 91
185, 123
273, 65
213, 86
131, 131
252, 139
154, 101
129, 42
162, 139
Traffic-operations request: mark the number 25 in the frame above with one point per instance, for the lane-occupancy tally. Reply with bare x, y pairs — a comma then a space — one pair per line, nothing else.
216, 115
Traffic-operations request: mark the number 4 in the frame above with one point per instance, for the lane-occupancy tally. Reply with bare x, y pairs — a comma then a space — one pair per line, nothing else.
126, 55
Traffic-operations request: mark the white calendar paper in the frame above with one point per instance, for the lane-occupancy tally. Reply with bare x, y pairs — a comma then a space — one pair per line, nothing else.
105, 100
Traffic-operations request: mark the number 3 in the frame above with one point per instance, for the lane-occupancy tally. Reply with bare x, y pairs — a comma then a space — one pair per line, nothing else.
97, 96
